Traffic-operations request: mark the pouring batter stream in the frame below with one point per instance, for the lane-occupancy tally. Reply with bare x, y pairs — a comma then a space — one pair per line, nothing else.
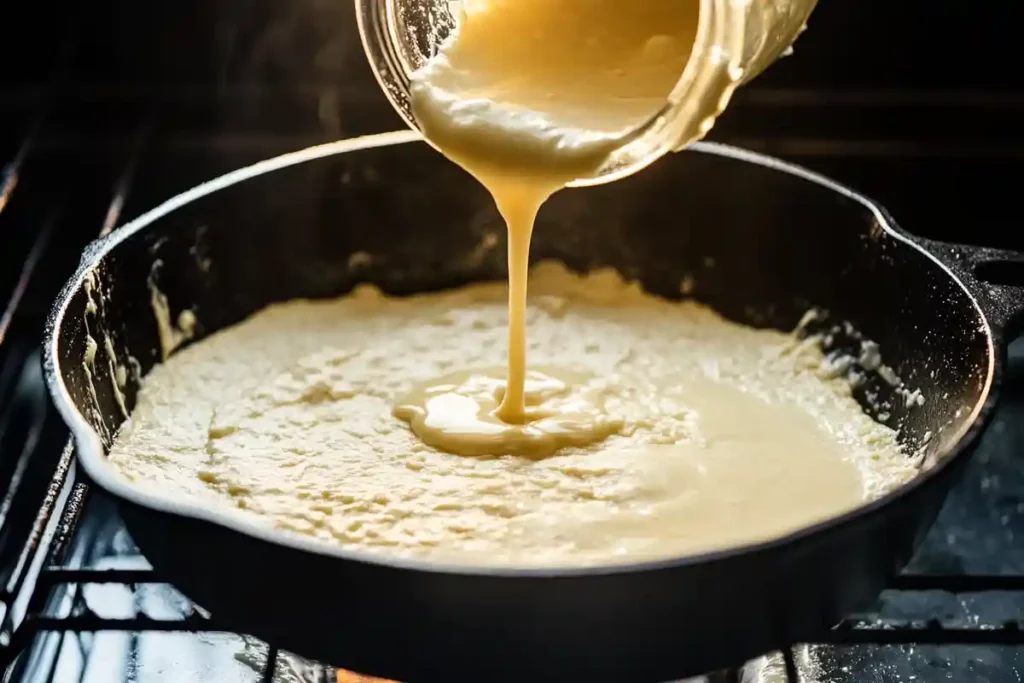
527, 96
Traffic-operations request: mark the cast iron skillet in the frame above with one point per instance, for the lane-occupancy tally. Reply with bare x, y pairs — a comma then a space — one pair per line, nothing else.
758, 239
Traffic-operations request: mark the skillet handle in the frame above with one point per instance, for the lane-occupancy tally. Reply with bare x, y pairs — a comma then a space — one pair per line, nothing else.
994, 276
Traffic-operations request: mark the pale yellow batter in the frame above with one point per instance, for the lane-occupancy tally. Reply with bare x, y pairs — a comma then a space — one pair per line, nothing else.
528, 95
716, 434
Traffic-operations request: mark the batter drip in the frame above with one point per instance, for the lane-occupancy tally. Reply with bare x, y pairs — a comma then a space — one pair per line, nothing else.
528, 95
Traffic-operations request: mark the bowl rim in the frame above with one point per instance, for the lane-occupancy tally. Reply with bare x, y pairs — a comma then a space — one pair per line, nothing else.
92, 456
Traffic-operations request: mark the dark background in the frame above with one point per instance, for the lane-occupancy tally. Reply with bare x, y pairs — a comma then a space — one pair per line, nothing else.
915, 102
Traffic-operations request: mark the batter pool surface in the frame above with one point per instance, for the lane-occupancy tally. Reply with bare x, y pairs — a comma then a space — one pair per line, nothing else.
672, 430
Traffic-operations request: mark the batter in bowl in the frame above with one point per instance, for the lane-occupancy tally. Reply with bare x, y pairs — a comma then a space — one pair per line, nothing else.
692, 432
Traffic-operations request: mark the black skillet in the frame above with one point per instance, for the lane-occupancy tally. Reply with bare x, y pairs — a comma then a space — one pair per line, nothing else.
758, 239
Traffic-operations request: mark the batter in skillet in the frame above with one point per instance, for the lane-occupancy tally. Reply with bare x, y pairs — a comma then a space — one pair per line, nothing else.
717, 434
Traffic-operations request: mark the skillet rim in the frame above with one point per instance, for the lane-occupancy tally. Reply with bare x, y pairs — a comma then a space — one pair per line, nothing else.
92, 456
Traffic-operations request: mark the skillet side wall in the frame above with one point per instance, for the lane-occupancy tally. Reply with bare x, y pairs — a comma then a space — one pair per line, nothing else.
759, 245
